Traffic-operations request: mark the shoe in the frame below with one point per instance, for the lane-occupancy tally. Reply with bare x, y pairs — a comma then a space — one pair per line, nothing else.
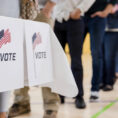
108, 88
94, 96
62, 98
80, 103
101, 86
18, 109
116, 74
50, 114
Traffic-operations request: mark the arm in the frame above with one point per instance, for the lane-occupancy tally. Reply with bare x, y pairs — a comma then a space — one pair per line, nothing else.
81, 8
106, 11
47, 10
85, 5
115, 9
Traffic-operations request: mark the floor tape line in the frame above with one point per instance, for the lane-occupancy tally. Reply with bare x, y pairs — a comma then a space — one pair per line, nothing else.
104, 109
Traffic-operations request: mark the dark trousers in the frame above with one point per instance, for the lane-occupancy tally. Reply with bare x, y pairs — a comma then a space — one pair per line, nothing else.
72, 32
96, 28
117, 62
110, 55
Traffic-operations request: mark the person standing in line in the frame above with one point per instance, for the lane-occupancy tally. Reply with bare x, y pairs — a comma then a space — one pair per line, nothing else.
69, 28
51, 100
10, 9
95, 23
110, 49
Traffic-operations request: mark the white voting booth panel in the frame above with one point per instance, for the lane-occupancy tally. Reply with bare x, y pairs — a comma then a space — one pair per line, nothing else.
11, 54
38, 51
45, 62
50, 67
63, 78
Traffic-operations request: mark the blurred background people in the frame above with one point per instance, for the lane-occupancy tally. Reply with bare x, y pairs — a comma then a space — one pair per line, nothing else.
69, 28
10, 9
110, 50
51, 100
95, 23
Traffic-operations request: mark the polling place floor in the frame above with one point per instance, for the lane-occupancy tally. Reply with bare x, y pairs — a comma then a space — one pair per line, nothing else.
107, 107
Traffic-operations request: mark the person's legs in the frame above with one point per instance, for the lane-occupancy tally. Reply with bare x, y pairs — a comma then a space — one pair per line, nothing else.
110, 44
21, 103
117, 64
75, 35
4, 102
51, 100
22, 96
61, 33
97, 29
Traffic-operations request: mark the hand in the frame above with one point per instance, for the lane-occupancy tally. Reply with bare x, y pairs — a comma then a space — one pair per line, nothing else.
76, 14
101, 14
104, 13
47, 10
115, 9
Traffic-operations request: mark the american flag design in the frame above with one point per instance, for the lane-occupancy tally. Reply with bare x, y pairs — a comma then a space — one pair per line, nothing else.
36, 40
5, 37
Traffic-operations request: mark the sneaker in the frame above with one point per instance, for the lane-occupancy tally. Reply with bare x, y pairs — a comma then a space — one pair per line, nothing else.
94, 96
108, 88
50, 114
18, 109
80, 103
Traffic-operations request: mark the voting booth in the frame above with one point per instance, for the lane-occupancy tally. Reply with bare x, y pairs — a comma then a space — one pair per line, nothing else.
11, 54
30, 55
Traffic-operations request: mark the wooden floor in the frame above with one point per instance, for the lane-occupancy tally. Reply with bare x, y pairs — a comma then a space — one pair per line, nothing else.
106, 108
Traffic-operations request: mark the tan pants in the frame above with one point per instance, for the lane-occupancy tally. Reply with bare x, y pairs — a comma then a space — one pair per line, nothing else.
51, 100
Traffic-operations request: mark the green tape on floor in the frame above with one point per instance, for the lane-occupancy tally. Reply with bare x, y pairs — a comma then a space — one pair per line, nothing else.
104, 109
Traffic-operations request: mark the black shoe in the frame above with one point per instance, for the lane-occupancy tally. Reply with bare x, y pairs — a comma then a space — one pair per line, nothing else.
80, 103
108, 88
101, 86
62, 98
94, 99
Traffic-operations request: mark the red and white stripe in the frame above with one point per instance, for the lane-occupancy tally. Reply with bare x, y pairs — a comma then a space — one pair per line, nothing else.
6, 38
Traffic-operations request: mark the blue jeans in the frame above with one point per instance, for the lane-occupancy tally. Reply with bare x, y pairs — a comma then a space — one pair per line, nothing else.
96, 28
117, 62
110, 54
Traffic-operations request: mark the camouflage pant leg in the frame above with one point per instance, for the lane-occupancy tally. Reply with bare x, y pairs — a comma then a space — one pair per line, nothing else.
22, 96
51, 100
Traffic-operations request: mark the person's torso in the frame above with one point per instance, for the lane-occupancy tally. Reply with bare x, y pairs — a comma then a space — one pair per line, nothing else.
10, 8
99, 5
112, 21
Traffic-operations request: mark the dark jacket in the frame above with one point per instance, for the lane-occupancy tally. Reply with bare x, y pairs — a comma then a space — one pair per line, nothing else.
100, 5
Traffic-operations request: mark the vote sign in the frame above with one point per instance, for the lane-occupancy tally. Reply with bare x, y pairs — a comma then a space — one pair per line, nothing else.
11, 54
38, 50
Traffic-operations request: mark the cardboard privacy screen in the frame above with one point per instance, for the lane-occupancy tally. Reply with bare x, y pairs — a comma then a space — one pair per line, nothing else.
35, 57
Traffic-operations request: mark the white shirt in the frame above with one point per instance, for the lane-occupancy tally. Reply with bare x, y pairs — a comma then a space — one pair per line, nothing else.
64, 7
